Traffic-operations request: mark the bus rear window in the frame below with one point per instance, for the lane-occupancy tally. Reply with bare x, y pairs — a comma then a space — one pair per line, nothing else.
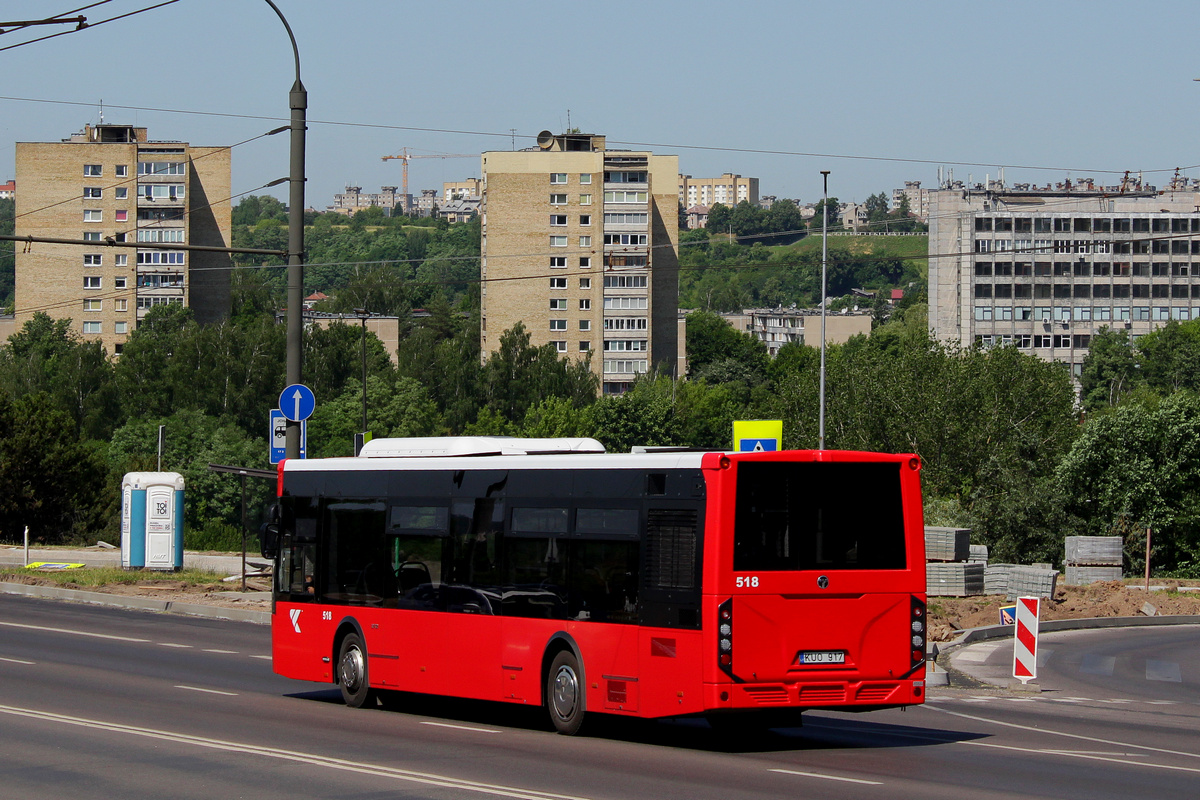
822, 516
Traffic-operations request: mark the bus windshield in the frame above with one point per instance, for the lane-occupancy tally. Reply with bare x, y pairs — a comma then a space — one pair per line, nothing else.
818, 516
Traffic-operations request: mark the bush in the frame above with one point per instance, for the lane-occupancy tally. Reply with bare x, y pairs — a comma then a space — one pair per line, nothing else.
219, 536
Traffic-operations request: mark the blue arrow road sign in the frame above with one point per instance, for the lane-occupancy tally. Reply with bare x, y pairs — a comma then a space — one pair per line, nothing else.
297, 402
277, 436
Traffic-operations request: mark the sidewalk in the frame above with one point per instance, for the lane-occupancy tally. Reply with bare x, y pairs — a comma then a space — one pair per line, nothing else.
228, 563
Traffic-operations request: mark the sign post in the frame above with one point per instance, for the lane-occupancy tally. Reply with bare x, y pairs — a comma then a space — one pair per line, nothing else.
757, 435
1025, 640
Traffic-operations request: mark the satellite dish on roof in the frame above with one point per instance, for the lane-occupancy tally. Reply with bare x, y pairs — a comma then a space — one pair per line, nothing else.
545, 139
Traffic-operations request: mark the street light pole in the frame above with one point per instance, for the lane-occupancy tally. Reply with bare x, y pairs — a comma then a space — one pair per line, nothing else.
362, 316
824, 262
298, 100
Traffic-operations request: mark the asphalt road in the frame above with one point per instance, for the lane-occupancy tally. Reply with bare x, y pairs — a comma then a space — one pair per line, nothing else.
102, 703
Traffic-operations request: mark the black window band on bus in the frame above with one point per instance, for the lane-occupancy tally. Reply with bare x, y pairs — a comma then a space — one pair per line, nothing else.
819, 516
539, 521
607, 523
427, 519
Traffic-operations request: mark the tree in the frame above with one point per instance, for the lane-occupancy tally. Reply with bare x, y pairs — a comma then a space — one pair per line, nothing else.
784, 217
720, 219
835, 210
1170, 357
1110, 370
877, 206
394, 409
517, 375
711, 340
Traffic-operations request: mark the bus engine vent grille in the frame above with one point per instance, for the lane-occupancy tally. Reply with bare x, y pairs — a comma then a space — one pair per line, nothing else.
823, 693
671, 549
876, 692
768, 695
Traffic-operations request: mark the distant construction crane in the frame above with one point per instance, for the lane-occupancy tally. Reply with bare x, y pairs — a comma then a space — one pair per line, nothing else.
406, 156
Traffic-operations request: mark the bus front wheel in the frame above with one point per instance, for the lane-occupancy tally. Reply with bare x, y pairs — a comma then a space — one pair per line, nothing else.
352, 672
565, 694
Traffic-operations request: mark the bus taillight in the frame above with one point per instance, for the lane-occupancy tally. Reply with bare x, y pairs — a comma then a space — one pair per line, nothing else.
919, 629
725, 637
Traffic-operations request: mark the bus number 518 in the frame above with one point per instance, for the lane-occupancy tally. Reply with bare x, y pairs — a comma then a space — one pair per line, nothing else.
747, 582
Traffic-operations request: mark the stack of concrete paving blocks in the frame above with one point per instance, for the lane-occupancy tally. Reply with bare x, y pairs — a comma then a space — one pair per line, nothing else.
947, 573
1031, 582
995, 578
947, 544
1093, 558
979, 554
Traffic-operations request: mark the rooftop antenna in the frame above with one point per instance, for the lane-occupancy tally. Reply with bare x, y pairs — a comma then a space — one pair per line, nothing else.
513, 133
568, 120
101, 110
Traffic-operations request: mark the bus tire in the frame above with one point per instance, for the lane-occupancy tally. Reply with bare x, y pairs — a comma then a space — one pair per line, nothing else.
352, 675
565, 695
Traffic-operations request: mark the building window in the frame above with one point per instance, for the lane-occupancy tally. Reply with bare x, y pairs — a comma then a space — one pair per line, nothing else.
120, 283
92, 192
625, 219
121, 192
121, 170
92, 171
91, 282
627, 282
91, 236
585, 199
93, 305
626, 303
160, 235
162, 168
558, 283
625, 239
625, 197
585, 283
160, 257
585, 304
91, 327
558, 304
585, 346
558, 241
558, 177
93, 260
558, 199
121, 305
585, 241
585, 262
560, 345
122, 215
585, 324
585, 219
635, 366
558, 324
558, 262
585, 178
121, 260
558, 220
93, 215
162, 191
121, 327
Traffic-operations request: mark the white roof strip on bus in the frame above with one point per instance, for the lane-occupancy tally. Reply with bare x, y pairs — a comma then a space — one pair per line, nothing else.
658, 461
434, 446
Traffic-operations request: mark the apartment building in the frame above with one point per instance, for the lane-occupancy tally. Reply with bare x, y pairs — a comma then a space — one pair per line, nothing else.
918, 199
776, 327
729, 190
1045, 269
111, 184
461, 190
580, 243
354, 199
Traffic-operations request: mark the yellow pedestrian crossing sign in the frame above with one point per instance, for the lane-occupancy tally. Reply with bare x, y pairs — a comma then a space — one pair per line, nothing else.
757, 435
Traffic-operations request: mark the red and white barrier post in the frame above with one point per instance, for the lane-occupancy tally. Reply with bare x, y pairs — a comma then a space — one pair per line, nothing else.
1025, 640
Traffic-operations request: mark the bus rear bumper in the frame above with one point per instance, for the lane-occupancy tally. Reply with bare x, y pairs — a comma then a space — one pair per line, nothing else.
847, 695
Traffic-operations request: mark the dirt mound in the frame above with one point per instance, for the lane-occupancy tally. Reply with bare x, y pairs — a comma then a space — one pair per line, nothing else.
949, 615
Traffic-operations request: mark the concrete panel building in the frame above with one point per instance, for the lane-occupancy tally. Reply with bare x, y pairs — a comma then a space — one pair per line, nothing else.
110, 183
1045, 269
729, 189
580, 243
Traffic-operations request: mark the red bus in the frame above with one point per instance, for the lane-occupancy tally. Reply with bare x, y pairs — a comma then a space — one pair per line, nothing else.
645, 584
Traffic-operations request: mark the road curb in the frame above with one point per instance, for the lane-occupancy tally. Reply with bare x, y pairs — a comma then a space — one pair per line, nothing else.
986, 632
138, 603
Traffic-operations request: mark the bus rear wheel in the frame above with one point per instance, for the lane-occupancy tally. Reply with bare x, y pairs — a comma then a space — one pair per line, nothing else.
565, 698
352, 672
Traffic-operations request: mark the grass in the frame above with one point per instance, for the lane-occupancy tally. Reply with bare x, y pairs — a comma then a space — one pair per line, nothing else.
105, 576
915, 248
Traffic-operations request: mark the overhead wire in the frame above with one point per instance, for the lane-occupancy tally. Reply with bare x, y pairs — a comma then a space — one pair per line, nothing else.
89, 25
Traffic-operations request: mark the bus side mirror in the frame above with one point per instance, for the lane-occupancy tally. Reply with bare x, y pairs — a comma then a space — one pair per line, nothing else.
268, 534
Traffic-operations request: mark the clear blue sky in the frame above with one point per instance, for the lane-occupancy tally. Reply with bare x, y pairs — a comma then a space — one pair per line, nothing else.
1079, 86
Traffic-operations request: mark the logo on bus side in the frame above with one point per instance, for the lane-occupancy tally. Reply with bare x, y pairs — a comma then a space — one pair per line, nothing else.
295, 615
823, 582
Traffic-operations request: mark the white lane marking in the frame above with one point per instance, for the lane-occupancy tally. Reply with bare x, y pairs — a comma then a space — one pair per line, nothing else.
172, 644
207, 691
1162, 702
44, 629
18, 661
375, 770
268, 658
1163, 671
1082, 754
826, 777
1116, 700
460, 727
1079, 736
223, 652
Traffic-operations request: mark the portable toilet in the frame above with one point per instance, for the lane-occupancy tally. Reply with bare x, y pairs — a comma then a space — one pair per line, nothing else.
152, 520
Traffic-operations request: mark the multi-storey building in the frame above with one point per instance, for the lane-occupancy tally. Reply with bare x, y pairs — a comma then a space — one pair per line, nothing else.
729, 190
1045, 269
918, 199
8, 190
776, 327
461, 190
580, 243
354, 199
109, 183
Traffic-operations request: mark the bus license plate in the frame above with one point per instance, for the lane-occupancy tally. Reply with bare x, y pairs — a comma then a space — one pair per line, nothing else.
822, 657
